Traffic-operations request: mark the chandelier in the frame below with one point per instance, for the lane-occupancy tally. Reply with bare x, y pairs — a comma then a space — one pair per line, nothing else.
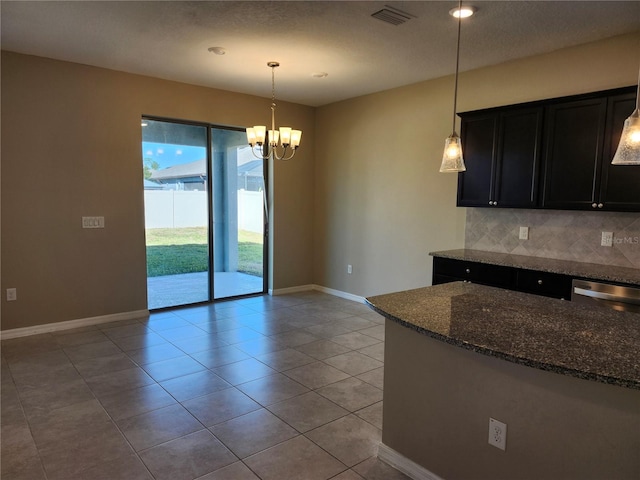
288, 138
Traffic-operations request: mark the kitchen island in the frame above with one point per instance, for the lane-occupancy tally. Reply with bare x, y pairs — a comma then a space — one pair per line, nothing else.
563, 377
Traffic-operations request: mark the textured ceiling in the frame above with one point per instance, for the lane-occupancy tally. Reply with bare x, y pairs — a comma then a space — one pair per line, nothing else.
361, 54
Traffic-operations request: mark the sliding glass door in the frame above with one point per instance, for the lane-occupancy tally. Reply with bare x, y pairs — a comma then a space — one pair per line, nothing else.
239, 218
175, 163
204, 214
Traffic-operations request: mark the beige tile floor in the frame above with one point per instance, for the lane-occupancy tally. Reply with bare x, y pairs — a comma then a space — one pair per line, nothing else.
286, 387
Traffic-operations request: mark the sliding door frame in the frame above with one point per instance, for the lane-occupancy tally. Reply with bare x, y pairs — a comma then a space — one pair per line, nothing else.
266, 266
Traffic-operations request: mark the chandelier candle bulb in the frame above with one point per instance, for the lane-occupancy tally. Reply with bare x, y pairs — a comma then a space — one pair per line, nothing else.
285, 135
251, 136
296, 136
273, 137
261, 133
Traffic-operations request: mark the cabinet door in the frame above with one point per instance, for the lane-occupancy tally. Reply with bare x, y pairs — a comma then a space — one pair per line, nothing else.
518, 158
543, 283
574, 141
619, 186
478, 140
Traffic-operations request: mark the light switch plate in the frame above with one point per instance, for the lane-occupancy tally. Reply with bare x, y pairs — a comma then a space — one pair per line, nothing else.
607, 239
12, 294
524, 233
92, 222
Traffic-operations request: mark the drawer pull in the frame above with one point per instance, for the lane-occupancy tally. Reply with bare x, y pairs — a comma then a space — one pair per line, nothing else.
594, 205
539, 282
468, 271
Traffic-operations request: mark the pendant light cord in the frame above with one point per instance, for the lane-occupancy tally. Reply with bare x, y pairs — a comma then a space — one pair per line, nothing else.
638, 91
455, 88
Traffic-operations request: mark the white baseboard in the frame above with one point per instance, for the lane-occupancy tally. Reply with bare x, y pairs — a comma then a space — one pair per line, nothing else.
404, 465
284, 291
339, 293
319, 288
84, 322
81, 322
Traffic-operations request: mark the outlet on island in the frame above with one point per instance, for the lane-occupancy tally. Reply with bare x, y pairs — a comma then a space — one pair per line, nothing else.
12, 294
497, 434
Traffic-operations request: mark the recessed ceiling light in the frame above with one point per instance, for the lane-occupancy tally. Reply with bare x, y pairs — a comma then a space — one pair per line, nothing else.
463, 12
319, 74
217, 50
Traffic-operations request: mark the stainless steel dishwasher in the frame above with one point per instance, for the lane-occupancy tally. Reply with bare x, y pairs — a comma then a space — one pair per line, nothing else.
617, 297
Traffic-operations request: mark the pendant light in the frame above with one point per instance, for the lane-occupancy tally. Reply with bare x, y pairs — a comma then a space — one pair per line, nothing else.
289, 138
628, 152
452, 160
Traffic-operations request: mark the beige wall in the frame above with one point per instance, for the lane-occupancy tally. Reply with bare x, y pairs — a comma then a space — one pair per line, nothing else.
367, 194
381, 204
438, 399
70, 144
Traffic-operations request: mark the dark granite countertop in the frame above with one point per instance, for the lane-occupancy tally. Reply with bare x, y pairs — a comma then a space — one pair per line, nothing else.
566, 267
593, 343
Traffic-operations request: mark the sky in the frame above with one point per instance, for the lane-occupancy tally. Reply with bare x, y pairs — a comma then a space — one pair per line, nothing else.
168, 155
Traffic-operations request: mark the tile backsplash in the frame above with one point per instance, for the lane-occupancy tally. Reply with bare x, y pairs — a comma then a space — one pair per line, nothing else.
560, 234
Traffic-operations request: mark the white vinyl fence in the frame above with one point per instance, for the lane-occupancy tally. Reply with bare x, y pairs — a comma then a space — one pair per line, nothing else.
180, 209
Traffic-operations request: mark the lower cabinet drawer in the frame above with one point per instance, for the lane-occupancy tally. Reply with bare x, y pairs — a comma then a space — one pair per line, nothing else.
449, 270
497, 276
458, 269
440, 279
544, 283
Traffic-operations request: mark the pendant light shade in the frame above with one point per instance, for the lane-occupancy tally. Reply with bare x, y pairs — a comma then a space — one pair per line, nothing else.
628, 152
452, 159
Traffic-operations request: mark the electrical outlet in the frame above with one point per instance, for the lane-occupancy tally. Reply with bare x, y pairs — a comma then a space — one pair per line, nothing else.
349, 269
607, 239
92, 222
524, 233
12, 294
497, 434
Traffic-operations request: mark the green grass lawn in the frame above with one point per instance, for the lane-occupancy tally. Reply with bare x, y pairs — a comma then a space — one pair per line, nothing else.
171, 251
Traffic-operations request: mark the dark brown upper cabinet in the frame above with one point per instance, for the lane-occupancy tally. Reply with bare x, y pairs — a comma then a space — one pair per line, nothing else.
501, 148
574, 139
552, 154
619, 184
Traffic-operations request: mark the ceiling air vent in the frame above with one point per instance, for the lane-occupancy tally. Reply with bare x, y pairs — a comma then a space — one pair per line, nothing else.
392, 15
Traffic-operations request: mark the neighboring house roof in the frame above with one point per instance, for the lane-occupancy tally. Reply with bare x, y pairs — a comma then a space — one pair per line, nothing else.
252, 168
149, 185
191, 169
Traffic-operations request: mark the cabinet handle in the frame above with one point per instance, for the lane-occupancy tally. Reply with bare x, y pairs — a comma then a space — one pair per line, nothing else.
490, 202
539, 282
468, 271
495, 203
594, 205
600, 205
